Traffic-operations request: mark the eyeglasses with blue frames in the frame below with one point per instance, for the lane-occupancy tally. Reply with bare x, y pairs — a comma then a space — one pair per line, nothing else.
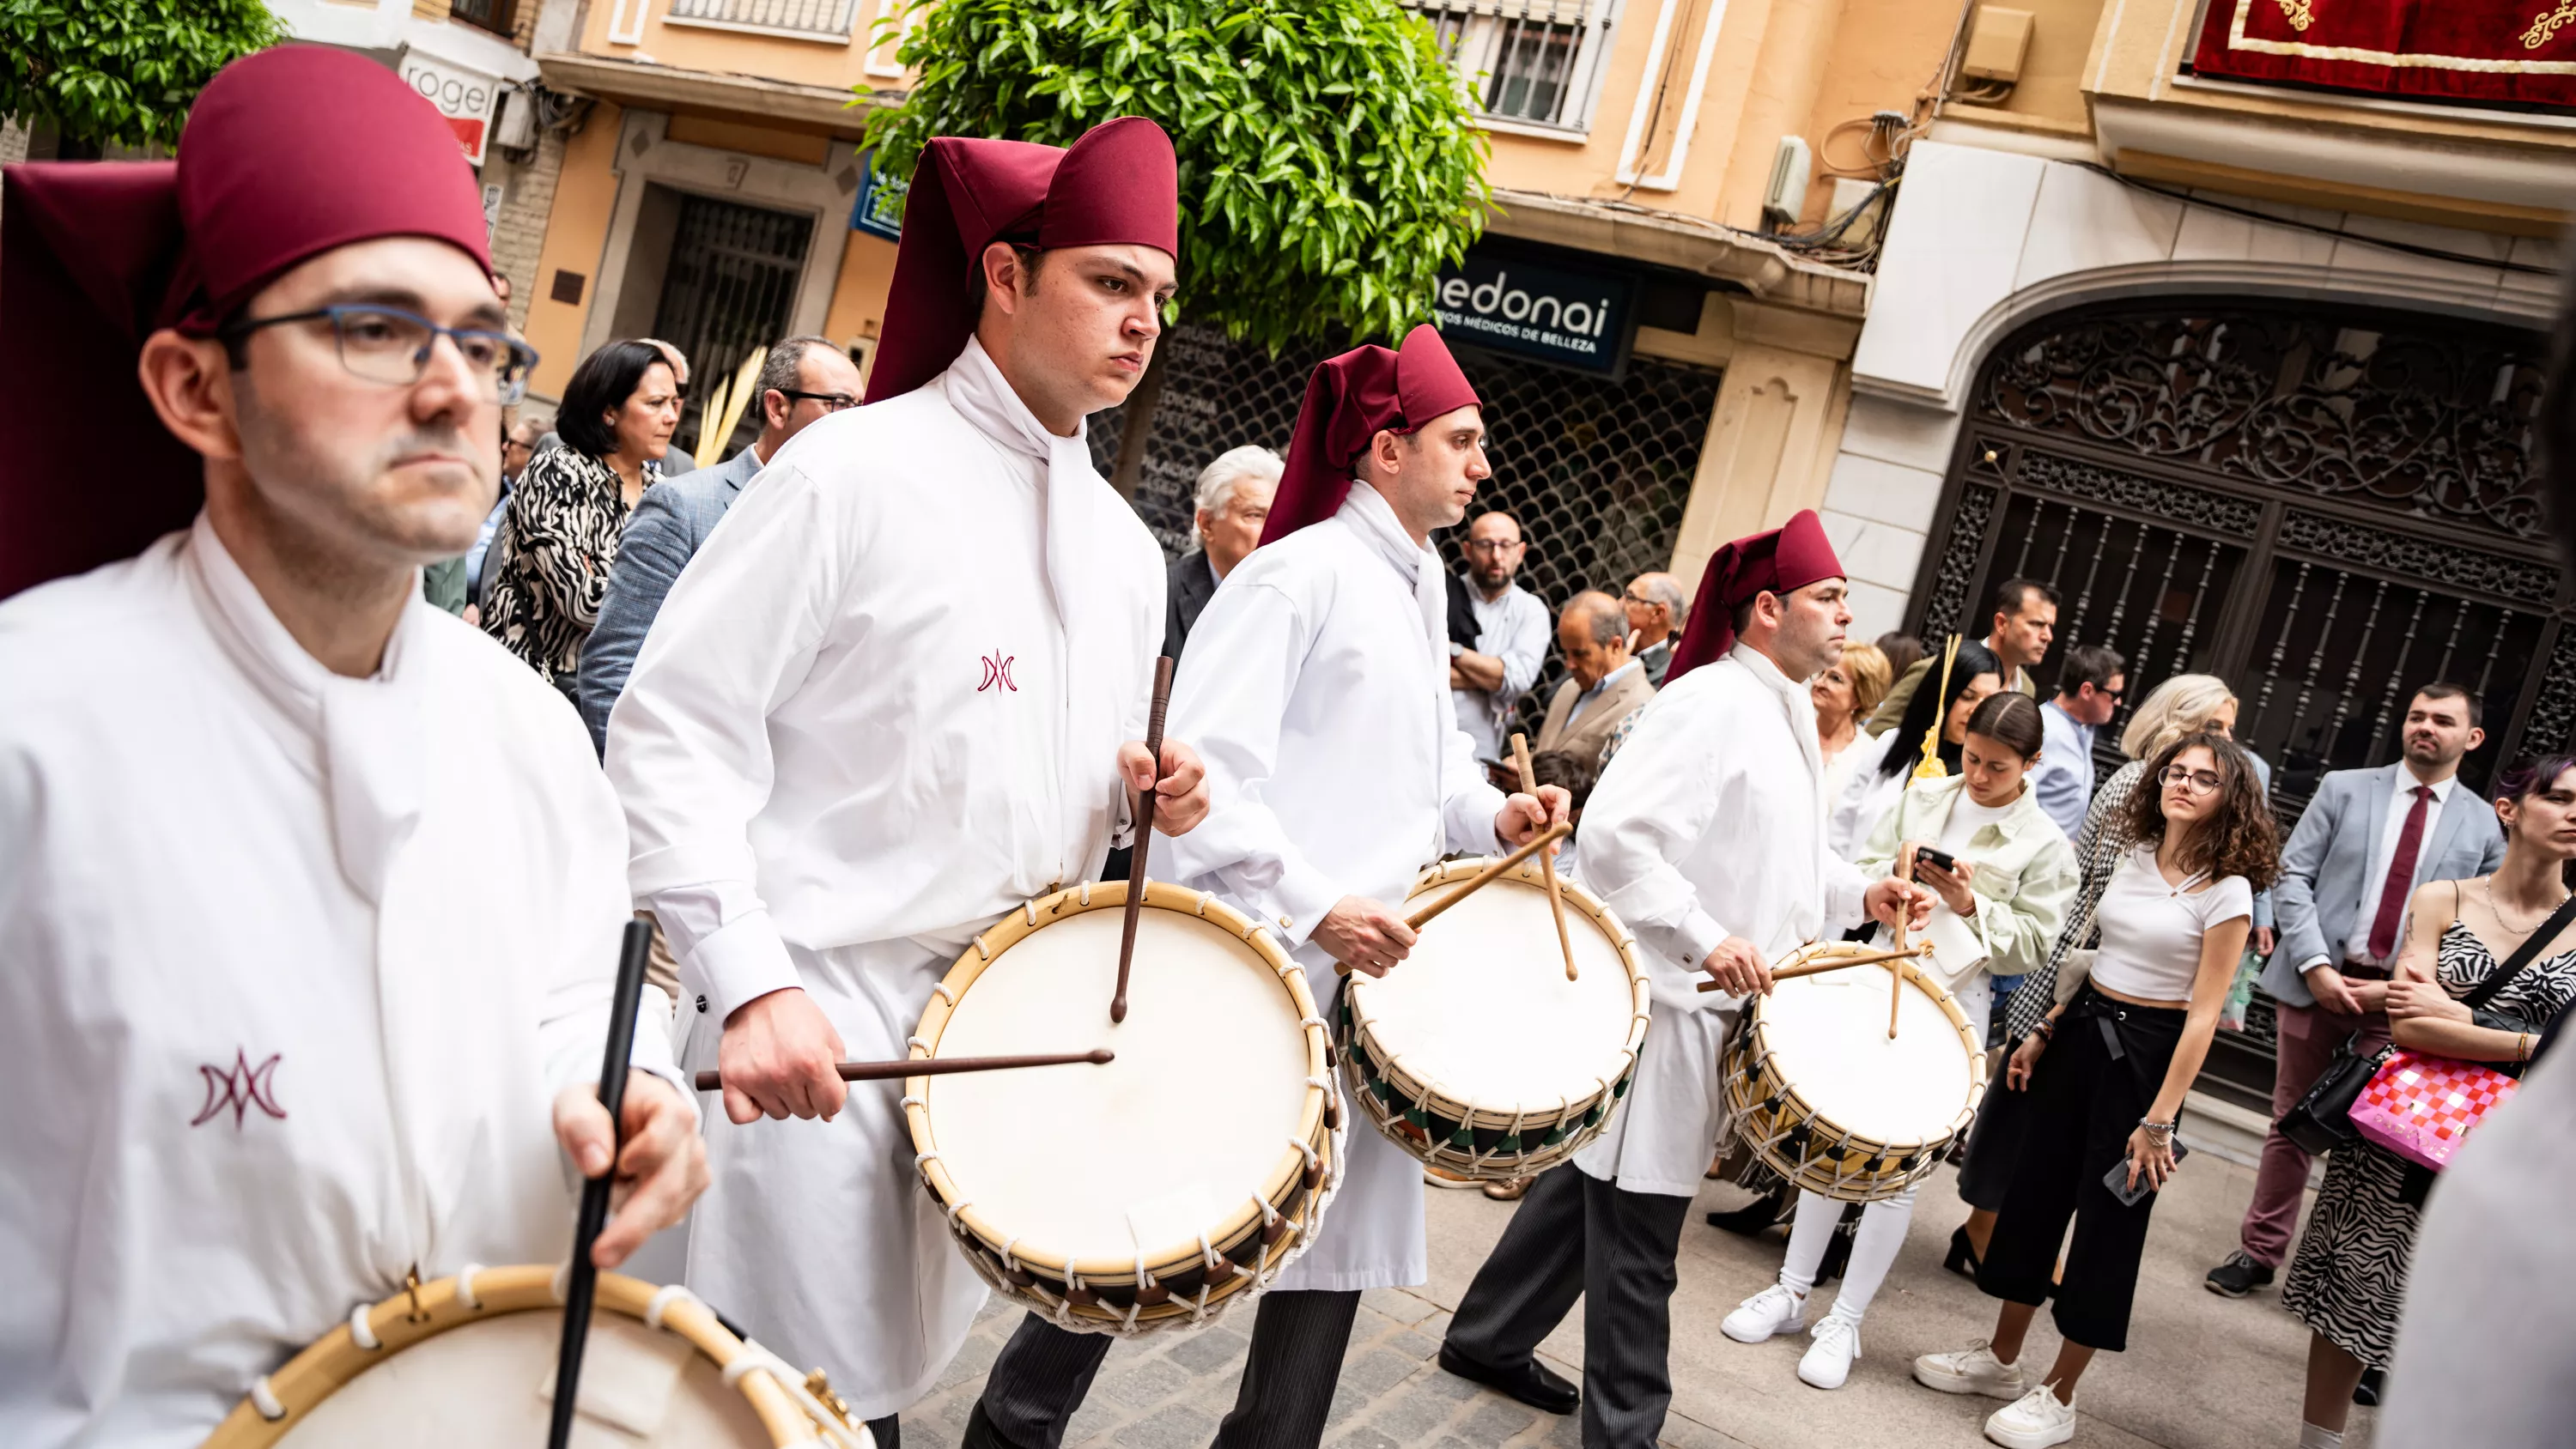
392, 346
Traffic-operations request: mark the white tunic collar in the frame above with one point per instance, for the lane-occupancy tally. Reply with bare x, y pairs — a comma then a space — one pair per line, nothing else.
1372, 519
1793, 697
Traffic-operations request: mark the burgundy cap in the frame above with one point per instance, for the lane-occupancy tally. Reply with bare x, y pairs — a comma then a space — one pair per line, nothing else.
1118, 185
288, 153
1786, 559
1351, 399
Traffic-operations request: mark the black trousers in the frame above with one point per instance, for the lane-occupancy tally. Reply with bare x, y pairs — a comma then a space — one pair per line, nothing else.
1576, 1236
886, 1433
2097, 1078
1289, 1375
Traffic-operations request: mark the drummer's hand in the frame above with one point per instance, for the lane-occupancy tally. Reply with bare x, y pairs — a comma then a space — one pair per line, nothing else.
660, 1171
1522, 816
2025, 1060
1181, 800
1738, 966
1886, 897
778, 1058
1364, 935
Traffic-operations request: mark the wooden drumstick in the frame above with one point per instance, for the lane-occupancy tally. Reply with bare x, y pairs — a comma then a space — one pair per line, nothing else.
939, 1066
1144, 835
582, 1282
1555, 893
1896, 969
1830, 963
1479, 881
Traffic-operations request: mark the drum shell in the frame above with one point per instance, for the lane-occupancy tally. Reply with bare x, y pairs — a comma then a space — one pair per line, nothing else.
1444, 1130
1767, 1113
1109, 1294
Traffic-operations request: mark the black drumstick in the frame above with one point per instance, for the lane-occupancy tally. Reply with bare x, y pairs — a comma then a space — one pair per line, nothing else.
583, 1281
1144, 834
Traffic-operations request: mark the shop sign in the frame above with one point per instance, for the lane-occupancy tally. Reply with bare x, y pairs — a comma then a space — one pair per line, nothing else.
465, 97
1576, 319
879, 211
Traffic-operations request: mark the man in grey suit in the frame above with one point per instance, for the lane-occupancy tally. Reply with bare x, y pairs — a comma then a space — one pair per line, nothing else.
2368, 839
804, 378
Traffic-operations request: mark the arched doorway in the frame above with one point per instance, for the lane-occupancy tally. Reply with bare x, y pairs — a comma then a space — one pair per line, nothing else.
2323, 507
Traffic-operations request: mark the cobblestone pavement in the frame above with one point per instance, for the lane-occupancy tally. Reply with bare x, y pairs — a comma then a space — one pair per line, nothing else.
2201, 1372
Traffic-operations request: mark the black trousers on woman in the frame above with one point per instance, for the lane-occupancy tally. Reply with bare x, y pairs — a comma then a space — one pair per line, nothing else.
2097, 1078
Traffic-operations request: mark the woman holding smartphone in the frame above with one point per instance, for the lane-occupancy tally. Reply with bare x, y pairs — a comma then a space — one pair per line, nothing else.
2003, 898
2106, 1073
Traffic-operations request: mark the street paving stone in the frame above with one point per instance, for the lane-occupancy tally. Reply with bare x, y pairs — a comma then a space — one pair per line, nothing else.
2202, 1372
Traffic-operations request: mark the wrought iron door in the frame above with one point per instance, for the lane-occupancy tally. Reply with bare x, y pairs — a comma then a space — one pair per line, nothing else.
2324, 510
730, 288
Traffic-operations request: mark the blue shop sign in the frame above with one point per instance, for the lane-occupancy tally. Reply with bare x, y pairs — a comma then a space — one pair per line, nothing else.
879, 209
1576, 319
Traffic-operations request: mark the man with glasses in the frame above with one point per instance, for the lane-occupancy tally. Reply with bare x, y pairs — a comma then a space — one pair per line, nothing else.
2089, 685
804, 379
1511, 634
1657, 609
310, 897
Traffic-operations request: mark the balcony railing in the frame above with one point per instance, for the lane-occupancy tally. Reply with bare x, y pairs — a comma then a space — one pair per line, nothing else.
1532, 61
832, 18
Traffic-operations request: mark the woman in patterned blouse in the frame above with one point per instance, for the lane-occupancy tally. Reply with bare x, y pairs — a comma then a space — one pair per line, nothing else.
559, 536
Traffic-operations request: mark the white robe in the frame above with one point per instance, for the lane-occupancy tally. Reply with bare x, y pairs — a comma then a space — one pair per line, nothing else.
1708, 823
1317, 693
296, 964
881, 708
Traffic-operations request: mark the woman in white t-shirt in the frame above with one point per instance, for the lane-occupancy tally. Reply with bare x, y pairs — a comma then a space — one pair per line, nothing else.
2106, 1073
1998, 912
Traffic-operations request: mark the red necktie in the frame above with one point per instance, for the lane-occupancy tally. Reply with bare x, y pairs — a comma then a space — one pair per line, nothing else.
2401, 878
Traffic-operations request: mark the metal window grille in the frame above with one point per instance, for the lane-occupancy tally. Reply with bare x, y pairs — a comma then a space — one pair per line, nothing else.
1533, 61
1596, 471
493, 15
810, 17
730, 286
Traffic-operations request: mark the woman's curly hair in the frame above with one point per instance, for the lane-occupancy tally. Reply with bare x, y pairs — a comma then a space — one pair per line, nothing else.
2239, 837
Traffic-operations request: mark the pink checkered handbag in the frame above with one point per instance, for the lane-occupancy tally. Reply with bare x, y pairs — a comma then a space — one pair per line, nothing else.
2422, 1107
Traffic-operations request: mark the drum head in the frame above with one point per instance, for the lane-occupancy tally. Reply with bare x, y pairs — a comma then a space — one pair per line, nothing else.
1828, 1039
492, 1382
1483, 1010
1184, 1130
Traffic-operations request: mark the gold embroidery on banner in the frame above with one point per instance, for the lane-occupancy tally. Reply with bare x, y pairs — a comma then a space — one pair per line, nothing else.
2303, 13
2237, 39
2548, 23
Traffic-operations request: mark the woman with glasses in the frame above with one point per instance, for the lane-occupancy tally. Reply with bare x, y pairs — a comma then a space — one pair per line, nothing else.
559, 536
2105, 1075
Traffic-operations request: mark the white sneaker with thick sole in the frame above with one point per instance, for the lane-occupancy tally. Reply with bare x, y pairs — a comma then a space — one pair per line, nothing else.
1827, 1362
1972, 1370
2036, 1420
1773, 1310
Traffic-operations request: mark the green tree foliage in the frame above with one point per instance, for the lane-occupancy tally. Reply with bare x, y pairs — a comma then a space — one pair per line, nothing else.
121, 72
1328, 168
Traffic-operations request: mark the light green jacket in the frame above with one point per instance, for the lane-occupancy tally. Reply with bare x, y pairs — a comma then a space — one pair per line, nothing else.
2025, 877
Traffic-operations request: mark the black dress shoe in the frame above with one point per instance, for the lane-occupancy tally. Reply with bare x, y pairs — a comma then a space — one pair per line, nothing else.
1756, 1217
1531, 1383
2366, 1393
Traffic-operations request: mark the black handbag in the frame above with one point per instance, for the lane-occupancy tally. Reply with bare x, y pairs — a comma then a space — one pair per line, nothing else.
2322, 1119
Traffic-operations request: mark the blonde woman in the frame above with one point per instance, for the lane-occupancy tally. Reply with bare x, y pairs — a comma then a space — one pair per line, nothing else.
1845, 694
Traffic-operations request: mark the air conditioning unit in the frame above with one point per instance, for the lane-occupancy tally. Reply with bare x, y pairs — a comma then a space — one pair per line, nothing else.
517, 130
1786, 197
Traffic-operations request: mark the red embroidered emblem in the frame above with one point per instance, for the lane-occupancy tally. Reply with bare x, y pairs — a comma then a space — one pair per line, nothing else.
997, 670
240, 1087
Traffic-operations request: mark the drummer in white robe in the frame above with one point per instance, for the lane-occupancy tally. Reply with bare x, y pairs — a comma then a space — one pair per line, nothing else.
895, 695
1706, 836
309, 901
1318, 692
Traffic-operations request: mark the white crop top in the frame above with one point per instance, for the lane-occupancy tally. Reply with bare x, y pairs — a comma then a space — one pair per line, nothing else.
2151, 930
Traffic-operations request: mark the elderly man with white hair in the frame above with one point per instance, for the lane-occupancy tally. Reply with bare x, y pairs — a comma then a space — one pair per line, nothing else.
1233, 502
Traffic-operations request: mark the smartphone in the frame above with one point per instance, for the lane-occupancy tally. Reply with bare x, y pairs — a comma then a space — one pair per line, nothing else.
1942, 858
2118, 1178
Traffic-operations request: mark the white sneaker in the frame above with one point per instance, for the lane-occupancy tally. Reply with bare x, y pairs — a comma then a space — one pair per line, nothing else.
1972, 1370
1827, 1361
2036, 1420
1773, 1310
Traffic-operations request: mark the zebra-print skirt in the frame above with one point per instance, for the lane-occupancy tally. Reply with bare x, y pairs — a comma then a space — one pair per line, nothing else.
2349, 1278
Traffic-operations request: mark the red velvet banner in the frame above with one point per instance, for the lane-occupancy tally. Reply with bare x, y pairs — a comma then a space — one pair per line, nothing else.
2516, 52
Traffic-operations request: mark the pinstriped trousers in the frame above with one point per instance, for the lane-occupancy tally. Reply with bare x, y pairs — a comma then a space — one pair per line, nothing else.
1289, 1376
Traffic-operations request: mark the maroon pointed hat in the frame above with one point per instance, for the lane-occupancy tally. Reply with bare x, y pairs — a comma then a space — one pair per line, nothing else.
1350, 399
1786, 559
288, 153
1118, 185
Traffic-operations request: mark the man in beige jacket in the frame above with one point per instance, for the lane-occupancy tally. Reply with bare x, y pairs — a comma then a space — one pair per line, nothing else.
1607, 683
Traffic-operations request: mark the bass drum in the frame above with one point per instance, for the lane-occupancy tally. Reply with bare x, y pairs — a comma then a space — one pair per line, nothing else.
470, 1360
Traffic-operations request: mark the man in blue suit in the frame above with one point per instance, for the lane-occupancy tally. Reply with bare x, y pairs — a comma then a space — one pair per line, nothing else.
805, 378
2368, 839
